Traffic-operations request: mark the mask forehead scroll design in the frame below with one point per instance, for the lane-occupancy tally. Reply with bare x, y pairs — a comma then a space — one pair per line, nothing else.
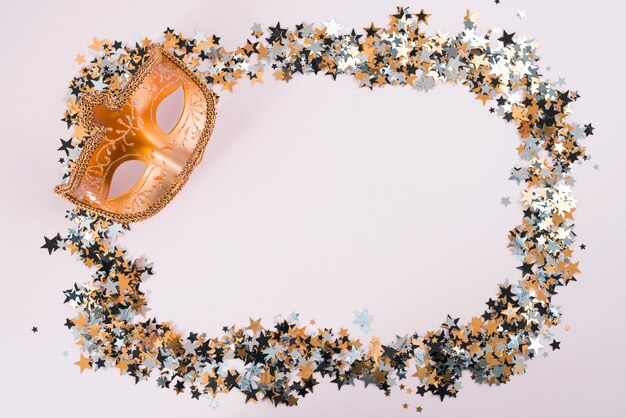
124, 127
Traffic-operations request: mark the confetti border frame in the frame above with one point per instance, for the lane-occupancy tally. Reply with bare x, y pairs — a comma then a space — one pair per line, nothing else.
280, 364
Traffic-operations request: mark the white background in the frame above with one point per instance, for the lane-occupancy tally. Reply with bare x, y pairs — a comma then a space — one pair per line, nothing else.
317, 197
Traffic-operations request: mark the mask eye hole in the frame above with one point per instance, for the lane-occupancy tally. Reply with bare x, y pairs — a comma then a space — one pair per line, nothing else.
125, 177
170, 110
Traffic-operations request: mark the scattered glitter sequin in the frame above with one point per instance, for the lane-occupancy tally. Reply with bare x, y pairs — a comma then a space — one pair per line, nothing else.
284, 362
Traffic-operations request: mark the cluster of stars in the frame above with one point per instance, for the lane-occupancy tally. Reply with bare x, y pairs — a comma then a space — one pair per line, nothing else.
282, 363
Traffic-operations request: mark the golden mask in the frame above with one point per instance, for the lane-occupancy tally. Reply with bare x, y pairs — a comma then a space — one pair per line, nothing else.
123, 127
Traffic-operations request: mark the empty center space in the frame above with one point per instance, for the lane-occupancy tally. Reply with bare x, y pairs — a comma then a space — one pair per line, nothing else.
322, 198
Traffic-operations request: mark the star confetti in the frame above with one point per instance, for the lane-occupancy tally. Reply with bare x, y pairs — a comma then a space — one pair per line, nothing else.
363, 319
284, 361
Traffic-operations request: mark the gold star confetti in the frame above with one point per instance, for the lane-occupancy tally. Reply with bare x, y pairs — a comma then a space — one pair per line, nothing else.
283, 362
83, 363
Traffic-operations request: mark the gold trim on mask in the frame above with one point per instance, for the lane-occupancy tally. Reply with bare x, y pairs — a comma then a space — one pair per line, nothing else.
123, 127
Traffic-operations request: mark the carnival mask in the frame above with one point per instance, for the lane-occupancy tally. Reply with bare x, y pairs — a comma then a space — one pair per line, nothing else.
123, 127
